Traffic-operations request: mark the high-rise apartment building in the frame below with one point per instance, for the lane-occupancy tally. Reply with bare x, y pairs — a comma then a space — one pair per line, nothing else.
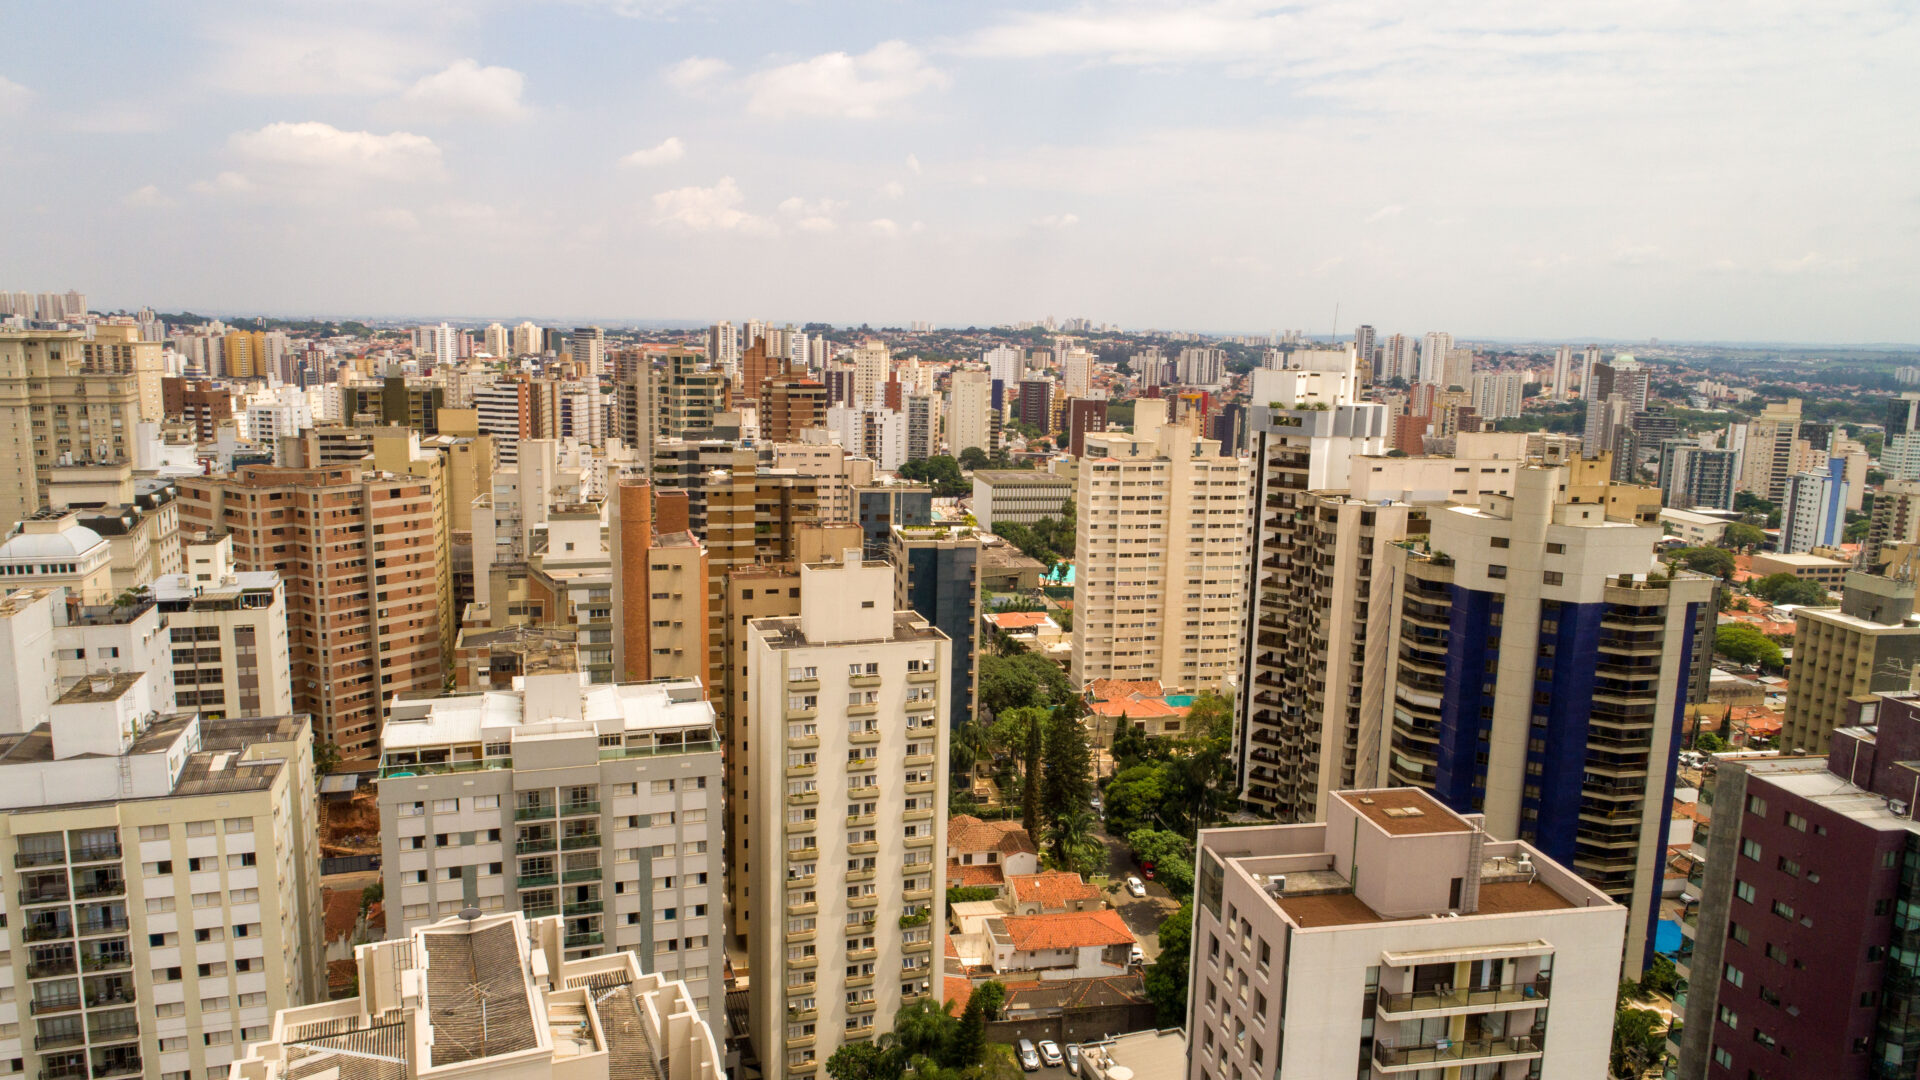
1036, 404
359, 555
228, 634
1769, 458
969, 411
1433, 356
660, 586
1815, 512
1541, 667
690, 395
497, 341
1397, 938
588, 347
937, 573
872, 368
1020, 496
1497, 395
1005, 364
1160, 558
1868, 645
1562, 386
848, 867
162, 883
791, 404
61, 401
923, 426
1692, 475
491, 998
1796, 962
597, 803
1076, 373
527, 340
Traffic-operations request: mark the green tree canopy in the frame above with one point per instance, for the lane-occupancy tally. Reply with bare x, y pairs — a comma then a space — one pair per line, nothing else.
1008, 682
1705, 560
1745, 645
1166, 978
1740, 535
1785, 588
941, 473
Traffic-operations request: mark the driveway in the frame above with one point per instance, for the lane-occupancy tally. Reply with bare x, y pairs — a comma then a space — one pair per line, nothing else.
1143, 915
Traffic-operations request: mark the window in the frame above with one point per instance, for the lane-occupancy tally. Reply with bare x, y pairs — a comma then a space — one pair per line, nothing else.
1756, 806
1551, 577
1750, 849
1783, 909
1496, 571
1729, 1017
1743, 890
1736, 976
1794, 821
153, 832
1722, 1058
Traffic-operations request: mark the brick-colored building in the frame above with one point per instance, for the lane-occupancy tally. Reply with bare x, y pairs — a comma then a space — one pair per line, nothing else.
359, 552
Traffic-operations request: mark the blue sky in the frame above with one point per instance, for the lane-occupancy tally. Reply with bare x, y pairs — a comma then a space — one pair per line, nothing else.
1577, 169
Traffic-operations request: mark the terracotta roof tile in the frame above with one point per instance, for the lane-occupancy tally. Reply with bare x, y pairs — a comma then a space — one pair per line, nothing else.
974, 876
1052, 889
968, 833
1068, 930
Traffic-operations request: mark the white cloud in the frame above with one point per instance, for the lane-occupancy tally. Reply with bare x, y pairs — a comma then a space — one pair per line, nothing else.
913, 164
395, 218
695, 72
147, 198
884, 226
709, 209
1058, 221
319, 160
310, 59
1384, 213
13, 96
670, 149
814, 216
892, 189
466, 91
872, 84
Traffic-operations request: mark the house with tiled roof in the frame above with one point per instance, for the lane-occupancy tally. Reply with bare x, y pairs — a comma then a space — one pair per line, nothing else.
1150, 707
1065, 945
1053, 891
1002, 844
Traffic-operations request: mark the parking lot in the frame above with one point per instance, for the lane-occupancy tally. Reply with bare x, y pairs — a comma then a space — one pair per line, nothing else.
1143, 915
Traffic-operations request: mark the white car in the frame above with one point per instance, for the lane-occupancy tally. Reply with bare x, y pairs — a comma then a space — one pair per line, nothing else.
1135, 957
1135, 886
1050, 1052
1073, 1059
1029, 1057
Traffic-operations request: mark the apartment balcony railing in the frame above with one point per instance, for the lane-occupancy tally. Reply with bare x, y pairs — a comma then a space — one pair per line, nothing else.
1464, 998
1447, 1052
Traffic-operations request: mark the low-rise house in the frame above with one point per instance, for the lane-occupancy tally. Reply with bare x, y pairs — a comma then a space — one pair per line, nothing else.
1005, 844
1068, 945
1051, 892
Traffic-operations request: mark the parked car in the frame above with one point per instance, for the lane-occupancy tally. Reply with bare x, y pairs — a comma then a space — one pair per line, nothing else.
1135, 957
1050, 1052
1073, 1059
1029, 1057
1135, 886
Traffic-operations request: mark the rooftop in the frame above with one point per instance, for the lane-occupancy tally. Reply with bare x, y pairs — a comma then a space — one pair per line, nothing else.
1405, 811
1063, 930
784, 633
660, 707
968, 833
1032, 477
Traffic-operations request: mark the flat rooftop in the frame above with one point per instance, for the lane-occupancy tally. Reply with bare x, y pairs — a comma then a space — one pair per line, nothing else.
1405, 811
784, 633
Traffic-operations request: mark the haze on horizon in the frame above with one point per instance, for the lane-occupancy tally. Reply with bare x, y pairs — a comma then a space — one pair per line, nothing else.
1616, 171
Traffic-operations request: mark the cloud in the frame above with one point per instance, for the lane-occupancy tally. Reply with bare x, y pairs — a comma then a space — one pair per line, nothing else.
316, 159
146, 198
295, 59
671, 149
884, 226
466, 91
815, 216
709, 209
873, 84
1058, 221
1384, 213
913, 164
395, 218
892, 189
695, 72
13, 96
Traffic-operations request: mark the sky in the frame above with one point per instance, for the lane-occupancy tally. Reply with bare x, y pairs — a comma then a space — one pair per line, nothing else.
1579, 169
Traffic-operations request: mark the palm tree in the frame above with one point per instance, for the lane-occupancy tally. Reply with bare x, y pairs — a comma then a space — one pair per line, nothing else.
1069, 831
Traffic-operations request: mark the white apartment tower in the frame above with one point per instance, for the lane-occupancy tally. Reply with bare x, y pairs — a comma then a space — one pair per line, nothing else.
527, 340
162, 884
970, 410
1396, 939
1562, 373
596, 802
872, 367
1433, 356
497, 340
848, 869
1076, 373
1161, 557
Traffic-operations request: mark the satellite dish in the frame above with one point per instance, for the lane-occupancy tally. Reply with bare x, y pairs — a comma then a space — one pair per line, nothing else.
469, 914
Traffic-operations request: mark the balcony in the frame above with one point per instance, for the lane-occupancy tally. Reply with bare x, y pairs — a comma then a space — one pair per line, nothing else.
87, 886
863, 710
46, 1006
797, 1015
795, 937
541, 812
129, 1066
1442, 1053
60, 1038
537, 846
581, 941
580, 809
864, 901
49, 895
39, 858
799, 686
801, 1042
96, 853
1394, 1007
923, 840
864, 680
105, 961
807, 769
534, 881
859, 980
580, 842
539, 912
919, 759
864, 847
865, 874
803, 742
803, 798
119, 1032
922, 676
584, 907
802, 907
917, 815
919, 787
47, 931
866, 1006
864, 737
96, 927
861, 820
43, 969
589, 873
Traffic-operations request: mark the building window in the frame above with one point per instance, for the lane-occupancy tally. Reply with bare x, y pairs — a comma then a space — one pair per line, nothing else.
1751, 849
1496, 571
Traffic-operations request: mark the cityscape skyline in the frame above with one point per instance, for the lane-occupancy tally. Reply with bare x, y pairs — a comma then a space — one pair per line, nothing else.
1646, 173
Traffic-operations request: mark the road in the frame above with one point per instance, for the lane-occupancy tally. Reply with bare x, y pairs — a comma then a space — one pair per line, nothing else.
1142, 915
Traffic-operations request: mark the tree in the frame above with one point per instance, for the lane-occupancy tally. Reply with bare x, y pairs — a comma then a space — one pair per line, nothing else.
1745, 645
991, 995
1171, 855
973, 458
1785, 588
862, 1061
924, 1029
941, 473
1135, 797
1067, 787
1074, 846
326, 758
1705, 560
1660, 977
1708, 743
969, 1046
1637, 1041
1008, 682
1166, 978
1741, 535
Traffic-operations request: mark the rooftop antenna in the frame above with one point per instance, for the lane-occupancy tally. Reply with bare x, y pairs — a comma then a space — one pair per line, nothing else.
1336, 322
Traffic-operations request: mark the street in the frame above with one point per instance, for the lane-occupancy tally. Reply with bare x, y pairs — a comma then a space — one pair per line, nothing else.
1142, 915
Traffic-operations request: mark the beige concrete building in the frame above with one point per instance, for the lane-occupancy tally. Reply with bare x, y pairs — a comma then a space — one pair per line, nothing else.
1769, 457
51, 549
1397, 938
1843, 653
359, 553
1018, 496
598, 803
161, 882
847, 875
492, 998
838, 472
227, 630
1160, 559
62, 398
